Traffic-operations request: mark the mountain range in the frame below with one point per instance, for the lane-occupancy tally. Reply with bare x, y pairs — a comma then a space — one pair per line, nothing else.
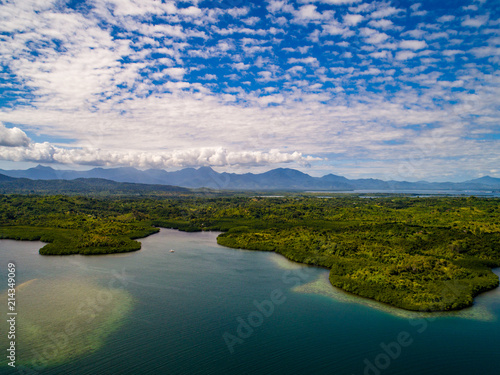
93, 186
276, 179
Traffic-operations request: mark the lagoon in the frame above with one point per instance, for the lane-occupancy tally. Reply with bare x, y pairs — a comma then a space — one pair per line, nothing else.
207, 309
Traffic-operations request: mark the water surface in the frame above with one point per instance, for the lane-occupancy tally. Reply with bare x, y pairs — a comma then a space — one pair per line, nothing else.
207, 309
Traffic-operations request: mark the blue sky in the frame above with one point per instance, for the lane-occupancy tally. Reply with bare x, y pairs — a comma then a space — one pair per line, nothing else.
404, 90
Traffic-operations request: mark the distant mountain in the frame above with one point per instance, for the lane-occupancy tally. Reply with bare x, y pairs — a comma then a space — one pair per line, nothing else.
276, 179
9, 185
486, 180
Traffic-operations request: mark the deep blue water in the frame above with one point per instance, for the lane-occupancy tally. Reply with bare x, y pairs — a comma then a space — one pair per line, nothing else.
189, 306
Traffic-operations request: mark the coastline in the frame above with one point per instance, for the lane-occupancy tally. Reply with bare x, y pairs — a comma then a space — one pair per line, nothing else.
430, 308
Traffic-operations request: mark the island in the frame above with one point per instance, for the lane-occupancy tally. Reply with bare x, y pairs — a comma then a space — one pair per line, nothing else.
420, 254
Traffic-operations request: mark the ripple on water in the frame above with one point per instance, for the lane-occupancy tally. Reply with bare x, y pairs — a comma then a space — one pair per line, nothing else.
61, 319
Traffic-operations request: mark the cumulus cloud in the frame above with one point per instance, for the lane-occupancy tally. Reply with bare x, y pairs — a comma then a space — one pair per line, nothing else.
47, 153
339, 2
405, 55
175, 73
412, 44
475, 22
305, 60
446, 18
386, 11
353, 19
308, 12
381, 54
381, 24
240, 66
335, 28
373, 36
13, 137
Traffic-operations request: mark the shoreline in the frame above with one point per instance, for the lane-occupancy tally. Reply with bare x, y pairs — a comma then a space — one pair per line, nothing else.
157, 228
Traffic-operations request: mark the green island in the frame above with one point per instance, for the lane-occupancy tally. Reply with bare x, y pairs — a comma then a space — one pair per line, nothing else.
421, 254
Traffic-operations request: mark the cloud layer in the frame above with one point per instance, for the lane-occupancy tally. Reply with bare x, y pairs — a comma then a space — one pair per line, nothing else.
362, 87
47, 153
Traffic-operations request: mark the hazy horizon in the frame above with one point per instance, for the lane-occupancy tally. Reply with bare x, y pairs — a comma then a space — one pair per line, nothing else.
218, 170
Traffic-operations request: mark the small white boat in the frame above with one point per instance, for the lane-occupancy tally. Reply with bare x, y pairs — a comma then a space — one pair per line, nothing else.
172, 251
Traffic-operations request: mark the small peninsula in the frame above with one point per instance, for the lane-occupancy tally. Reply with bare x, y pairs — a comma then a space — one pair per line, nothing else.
420, 254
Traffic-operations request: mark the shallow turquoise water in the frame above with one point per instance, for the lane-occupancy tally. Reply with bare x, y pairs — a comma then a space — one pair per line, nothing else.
206, 309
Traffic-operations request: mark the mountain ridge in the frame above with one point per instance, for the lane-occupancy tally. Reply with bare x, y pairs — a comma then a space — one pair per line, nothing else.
16, 185
274, 179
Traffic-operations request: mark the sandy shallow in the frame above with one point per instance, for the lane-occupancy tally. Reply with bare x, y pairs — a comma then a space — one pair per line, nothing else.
61, 319
482, 309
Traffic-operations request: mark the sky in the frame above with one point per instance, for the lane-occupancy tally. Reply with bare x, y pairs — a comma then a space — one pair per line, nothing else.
403, 90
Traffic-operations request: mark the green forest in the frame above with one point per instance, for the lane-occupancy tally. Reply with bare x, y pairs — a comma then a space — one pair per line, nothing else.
423, 254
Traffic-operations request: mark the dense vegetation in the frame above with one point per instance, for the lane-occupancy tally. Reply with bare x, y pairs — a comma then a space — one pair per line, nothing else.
416, 253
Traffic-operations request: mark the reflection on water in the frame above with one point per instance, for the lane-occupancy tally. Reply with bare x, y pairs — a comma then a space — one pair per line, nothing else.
61, 319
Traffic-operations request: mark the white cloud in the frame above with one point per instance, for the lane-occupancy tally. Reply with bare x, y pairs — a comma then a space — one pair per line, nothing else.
412, 44
452, 52
339, 2
371, 71
175, 73
446, 18
405, 55
251, 21
190, 11
353, 19
472, 7
140, 7
486, 51
13, 137
47, 153
381, 54
415, 33
238, 12
415, 6
265, 76
382, 24
458, 83
420, 13
341, 70
271, 99
224, 45
240, 66
475, 22
209, 77
434, 36
295, 69
386, 11
163, 30
373, 36
305, 60
277, 6
335, 28
308, 12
